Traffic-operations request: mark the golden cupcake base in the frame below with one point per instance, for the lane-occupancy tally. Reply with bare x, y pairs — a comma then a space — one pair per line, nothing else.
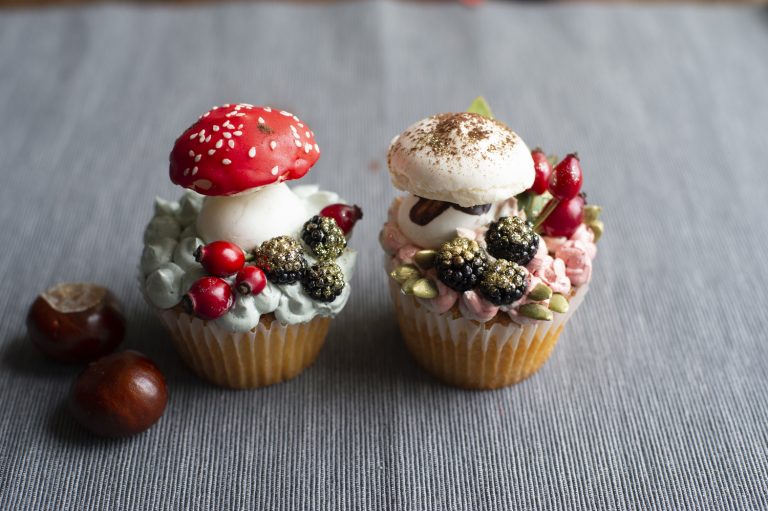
267, 354
473, 355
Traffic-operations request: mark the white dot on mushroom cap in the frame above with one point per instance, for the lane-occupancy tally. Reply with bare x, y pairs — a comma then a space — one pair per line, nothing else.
295, 118
252, 152
239, 126
186, 171
296, 135
317, 148
298, 143
231, 144
219, 144
197, 158
306, 134
215, 128
202, 132
267, 109
293, 128
227, 134
240, 115
206, 114
226, 161
274, 170
307, 147
287, 114
207, 139
202, 183
301, 125
261, 120
211, 151
237, 133
225, 105
272, 145
191, 152
193, 135
194, 170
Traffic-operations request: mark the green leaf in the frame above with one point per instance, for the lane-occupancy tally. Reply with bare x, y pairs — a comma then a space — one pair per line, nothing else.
480, 106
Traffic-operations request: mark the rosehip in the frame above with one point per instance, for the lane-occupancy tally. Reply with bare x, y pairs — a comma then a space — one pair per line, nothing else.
250, 280
565, 181
346, 216
220, 258
565, 218
543, 170
208, 298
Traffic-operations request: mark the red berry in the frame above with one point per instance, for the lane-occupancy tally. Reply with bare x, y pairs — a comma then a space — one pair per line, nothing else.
220, 258
346, 216
565, 218
250, 280
543, 170
565, 181
208, 298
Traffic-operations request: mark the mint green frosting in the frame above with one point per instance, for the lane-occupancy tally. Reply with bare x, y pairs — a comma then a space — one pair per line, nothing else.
168, 267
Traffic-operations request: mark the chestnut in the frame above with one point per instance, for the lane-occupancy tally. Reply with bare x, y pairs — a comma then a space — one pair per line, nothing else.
76, 322
119, 395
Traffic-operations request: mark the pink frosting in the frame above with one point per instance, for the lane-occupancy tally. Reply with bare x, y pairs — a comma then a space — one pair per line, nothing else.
392, 239
585, 235
570, 266
406, 252
553, 272
474, 306
445, 299
553, 242
550, 270
576, 256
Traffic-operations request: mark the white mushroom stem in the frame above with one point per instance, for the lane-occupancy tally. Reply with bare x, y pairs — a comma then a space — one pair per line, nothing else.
252, 218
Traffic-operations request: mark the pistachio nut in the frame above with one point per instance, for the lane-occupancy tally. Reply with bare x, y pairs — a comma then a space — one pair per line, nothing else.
535, 311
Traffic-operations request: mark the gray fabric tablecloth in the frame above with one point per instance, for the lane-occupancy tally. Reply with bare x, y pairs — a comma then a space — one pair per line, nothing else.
655, 397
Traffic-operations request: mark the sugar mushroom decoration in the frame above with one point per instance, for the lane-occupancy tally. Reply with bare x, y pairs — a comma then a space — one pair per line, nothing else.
240, 156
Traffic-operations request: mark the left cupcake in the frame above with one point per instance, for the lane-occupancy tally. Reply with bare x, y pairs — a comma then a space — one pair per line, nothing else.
244, 271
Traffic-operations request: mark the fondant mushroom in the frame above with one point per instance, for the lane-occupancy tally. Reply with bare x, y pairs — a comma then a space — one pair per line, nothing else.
240, 155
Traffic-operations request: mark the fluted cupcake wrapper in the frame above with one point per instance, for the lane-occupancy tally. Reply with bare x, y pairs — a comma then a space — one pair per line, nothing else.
473, 355
267, 354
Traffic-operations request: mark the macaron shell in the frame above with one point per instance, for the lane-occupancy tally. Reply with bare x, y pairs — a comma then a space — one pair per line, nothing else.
463, 158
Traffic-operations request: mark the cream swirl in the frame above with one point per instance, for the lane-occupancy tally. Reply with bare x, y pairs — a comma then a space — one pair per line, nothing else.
578, 263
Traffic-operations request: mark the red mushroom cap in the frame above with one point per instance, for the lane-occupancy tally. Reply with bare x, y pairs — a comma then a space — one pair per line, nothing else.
233, 148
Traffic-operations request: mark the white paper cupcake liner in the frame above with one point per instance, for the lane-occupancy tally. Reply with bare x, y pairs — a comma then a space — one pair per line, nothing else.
267, 354
474, 355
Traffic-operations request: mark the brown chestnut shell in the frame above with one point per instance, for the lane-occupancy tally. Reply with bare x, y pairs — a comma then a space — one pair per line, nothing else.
119, 395
76, 322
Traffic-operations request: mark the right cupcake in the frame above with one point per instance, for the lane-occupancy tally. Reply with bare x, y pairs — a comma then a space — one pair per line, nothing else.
490, 250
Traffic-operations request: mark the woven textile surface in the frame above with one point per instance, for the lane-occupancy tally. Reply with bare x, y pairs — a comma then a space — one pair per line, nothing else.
655, 397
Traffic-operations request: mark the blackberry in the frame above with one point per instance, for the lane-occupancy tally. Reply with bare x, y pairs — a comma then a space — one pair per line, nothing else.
504, 282
324, 237
323, 281
460, 264
282, 259
513, 239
